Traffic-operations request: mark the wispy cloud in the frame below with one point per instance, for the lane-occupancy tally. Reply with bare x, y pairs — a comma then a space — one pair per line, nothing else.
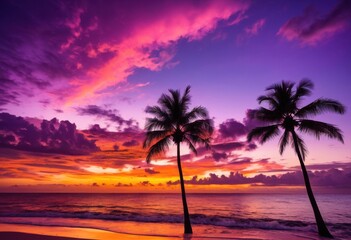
76, 50
256, 27
151, 171
251, 31
311, 28
110, 115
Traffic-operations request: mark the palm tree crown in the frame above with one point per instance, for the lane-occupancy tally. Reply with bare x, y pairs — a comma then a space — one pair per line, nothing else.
284, 112
173, 122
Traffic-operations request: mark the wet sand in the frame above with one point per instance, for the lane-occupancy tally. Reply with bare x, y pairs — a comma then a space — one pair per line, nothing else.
32, 232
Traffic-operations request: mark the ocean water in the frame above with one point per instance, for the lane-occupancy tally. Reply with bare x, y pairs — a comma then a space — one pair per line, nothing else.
288, 212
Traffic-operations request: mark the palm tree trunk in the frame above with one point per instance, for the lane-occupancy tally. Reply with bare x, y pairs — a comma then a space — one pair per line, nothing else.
322, 228
187, 224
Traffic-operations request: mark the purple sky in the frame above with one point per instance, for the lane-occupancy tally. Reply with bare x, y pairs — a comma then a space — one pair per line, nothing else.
103, 62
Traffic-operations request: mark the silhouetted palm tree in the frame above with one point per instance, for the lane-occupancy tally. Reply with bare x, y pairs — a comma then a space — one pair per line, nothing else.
284, 112
173, 122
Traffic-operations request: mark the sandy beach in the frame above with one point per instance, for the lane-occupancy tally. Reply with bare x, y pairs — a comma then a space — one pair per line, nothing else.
31, 232
24, 232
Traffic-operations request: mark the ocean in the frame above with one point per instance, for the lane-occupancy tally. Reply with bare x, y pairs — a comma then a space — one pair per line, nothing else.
287, 212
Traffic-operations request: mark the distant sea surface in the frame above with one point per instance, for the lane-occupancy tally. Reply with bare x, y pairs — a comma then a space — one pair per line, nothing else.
249, 211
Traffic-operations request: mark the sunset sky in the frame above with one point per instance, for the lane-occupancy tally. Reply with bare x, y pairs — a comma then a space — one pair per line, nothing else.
76, 77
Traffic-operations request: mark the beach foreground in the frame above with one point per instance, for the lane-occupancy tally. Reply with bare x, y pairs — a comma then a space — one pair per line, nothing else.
156, 231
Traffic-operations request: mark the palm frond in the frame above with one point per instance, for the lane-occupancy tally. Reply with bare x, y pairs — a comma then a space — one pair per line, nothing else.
267, 115
196, 112
152, 124
177, 110
263, 134
185, 100
281, 91
159, 147
271, 101
157, 111
190, 145
284, 111
166, 103
284, 140
320, 128
175, 95
201, 127
196, 139
319, 106
303, 89
277, 87
154, 136
173, 123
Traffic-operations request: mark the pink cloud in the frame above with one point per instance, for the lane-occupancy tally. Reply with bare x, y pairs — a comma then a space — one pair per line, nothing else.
74, 24
238, 18
250, 31
76, 50
311, 28
150, 43
256, 27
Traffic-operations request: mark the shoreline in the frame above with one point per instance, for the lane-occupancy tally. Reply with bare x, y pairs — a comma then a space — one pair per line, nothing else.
31, 236
36, 232
147, 231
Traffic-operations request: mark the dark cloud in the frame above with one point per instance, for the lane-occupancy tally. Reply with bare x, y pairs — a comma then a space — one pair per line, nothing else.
8, 92
229, 133
123, 185
117, 137
23, 54
230, 146
218, 156
327, 178
50, 40
250, 146
95, 184
250, 121
116, 147
52, 137
131, 143
97, 130
232, 129
7, 140
222, 151
325, 166
311, 28
151, 171
146, 183
238, 161
107, 114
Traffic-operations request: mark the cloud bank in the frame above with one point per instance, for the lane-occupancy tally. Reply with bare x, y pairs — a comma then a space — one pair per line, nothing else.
52, 136
326, 178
